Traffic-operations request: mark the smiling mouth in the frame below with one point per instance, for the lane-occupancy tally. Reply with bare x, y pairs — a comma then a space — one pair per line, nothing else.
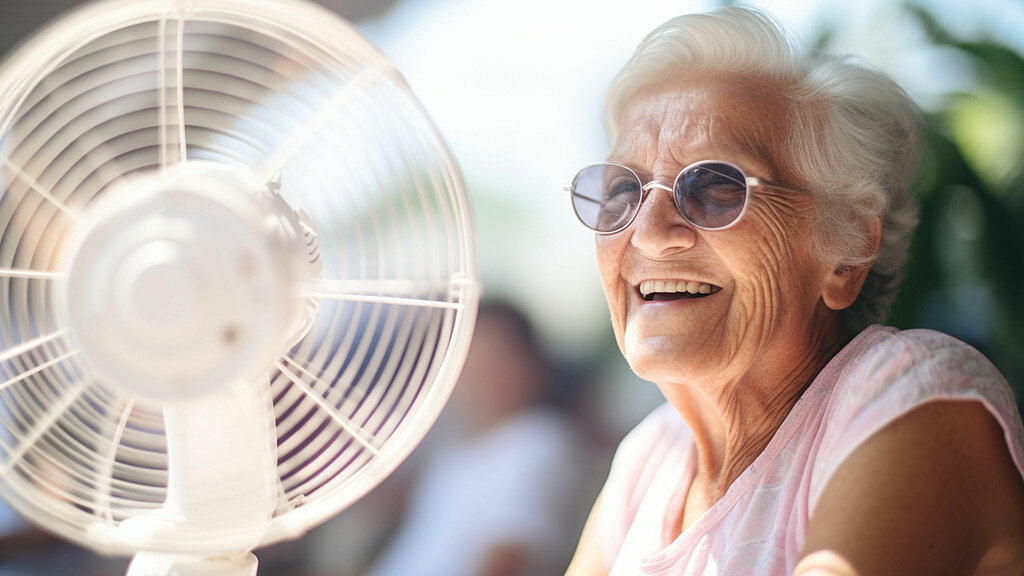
661, 290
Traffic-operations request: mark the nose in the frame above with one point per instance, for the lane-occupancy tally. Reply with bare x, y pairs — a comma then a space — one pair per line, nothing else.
659, 229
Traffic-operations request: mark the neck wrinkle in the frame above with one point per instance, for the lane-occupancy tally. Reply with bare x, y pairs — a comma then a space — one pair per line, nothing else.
732, 429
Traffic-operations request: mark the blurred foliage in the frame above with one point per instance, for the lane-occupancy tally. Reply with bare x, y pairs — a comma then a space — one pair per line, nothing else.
966, 270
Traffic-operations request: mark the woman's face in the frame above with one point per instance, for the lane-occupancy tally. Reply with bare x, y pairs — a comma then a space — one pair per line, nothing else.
765, 303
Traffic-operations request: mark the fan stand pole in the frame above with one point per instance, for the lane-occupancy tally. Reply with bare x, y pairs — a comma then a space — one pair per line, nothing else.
160, 564
222, 485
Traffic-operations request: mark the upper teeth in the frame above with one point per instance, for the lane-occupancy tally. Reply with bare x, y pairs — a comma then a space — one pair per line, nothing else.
648, 287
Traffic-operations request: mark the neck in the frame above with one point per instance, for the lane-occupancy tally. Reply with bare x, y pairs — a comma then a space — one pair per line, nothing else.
733, 421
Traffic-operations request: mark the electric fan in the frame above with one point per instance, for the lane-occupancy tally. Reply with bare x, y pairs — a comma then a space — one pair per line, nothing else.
237, 277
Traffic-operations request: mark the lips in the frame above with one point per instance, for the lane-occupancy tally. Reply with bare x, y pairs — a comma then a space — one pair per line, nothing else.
662, 290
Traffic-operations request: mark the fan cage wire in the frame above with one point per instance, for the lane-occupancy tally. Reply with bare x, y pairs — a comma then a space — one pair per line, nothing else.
395, 307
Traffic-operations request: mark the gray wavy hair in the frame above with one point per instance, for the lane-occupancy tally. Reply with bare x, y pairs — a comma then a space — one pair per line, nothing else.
854, 138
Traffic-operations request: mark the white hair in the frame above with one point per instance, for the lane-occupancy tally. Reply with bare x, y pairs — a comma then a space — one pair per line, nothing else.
853, 136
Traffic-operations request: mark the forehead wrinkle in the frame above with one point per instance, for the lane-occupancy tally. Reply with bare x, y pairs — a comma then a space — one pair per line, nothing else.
764, 108
654, 138
742, 120
747, 142
732, 142
637, 143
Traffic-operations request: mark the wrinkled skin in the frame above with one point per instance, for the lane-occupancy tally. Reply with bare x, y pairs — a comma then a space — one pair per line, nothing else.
909, 500
737, 359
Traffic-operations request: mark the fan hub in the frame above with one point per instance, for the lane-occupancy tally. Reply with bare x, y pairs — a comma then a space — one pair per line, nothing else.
161, 288
184, 281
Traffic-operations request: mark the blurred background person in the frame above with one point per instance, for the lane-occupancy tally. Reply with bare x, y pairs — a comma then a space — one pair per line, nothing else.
499, 498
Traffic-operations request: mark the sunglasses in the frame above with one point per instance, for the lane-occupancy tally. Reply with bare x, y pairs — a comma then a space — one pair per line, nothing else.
710, 194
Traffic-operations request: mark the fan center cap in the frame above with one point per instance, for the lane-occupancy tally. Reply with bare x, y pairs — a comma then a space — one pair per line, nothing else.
182, 282
161, 287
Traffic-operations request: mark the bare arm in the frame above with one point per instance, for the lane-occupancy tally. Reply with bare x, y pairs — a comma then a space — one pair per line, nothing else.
588, 561
935, 492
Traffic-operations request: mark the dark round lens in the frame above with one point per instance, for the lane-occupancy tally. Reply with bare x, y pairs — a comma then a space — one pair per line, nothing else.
711, 195
606, 196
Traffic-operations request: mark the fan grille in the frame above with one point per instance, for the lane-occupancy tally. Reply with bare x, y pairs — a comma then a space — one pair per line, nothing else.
289, 92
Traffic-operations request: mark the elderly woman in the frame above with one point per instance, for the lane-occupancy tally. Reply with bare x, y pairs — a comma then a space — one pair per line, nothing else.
752, 226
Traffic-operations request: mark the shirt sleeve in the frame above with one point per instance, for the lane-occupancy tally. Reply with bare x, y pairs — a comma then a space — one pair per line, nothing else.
901, 371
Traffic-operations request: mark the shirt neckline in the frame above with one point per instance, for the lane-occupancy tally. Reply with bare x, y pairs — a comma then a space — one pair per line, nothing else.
816, 392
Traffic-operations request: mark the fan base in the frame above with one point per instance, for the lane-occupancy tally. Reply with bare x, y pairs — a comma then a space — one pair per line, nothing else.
160, 564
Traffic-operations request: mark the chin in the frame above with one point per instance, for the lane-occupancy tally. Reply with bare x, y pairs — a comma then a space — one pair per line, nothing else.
656, 359
675, 358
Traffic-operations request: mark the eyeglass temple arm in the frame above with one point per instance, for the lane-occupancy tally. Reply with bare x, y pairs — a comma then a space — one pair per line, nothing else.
755, 181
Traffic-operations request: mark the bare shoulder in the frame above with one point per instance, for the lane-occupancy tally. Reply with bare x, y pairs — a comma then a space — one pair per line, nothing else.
935, 492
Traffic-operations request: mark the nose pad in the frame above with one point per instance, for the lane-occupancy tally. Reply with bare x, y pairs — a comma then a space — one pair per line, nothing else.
659, 228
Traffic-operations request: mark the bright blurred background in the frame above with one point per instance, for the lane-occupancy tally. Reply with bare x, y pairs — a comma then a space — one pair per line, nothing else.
516, 89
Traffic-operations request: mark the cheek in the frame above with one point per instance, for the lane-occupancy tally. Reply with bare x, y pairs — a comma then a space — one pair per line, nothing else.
610, 251
775, 274
758, 296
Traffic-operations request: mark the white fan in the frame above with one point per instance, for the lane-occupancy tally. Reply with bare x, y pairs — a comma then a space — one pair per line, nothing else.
237, 277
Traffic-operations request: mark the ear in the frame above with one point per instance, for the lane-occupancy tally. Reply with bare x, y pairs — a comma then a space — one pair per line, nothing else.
842, 284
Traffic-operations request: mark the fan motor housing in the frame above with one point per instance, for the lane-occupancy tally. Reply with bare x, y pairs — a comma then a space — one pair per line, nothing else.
183, 281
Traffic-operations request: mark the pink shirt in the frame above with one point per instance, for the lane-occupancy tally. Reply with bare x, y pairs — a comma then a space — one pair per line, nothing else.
759, 526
